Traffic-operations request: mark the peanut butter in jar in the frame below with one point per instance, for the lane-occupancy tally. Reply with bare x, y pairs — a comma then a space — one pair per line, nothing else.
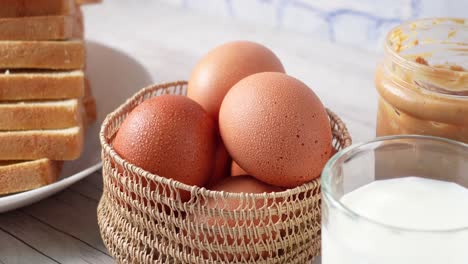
423, 80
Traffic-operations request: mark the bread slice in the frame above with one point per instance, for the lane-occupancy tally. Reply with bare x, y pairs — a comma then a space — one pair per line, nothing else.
78, 24
56, 55
20, 85
85, 2
90, 111
37, 28
23, 8
32, 115
19, 176
53, 27
59, 144
89, 103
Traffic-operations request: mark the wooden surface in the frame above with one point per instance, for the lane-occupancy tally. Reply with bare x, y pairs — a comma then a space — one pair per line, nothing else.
167, 42
60, 229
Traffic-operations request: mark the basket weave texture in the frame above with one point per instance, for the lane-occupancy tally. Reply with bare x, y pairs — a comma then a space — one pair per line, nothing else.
143, 220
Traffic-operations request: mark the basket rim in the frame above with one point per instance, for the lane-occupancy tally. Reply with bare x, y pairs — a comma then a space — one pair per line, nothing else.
193, 189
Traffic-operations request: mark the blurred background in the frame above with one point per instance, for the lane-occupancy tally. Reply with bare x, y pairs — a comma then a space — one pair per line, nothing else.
361, 23
331, 45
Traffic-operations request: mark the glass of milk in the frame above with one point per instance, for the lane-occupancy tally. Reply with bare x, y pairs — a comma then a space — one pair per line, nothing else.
396, 200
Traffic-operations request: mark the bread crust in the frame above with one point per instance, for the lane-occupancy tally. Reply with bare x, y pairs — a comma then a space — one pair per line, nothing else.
40, 115
64, 144
55, 55
25, 8
37, 28
19, 176
41, 85
86, 2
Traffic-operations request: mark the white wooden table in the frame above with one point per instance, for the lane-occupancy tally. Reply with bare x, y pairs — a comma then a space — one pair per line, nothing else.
167, 42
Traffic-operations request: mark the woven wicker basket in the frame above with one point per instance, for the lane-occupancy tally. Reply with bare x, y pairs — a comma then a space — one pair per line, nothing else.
141, 225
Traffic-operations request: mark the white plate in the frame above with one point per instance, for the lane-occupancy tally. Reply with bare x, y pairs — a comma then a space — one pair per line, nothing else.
114, 77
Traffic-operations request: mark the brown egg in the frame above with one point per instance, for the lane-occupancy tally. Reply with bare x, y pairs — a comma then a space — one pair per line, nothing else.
236, 170
240, 184
221, 164
276, 128
333, 152
171, 136
223, 67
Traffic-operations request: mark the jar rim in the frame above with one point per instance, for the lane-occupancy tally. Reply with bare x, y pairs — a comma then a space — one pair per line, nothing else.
413, 66
343, 155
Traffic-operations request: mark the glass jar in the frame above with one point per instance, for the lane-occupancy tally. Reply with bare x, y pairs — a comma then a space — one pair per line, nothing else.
423, 80
420, 215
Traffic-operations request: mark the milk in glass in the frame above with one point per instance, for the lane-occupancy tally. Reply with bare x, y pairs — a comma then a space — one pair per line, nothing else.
407, 220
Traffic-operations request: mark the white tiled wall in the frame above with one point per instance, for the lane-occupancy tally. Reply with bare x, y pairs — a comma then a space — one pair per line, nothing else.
361, 23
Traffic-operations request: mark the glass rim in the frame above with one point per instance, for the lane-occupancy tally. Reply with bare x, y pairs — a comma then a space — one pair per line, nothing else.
350, 151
